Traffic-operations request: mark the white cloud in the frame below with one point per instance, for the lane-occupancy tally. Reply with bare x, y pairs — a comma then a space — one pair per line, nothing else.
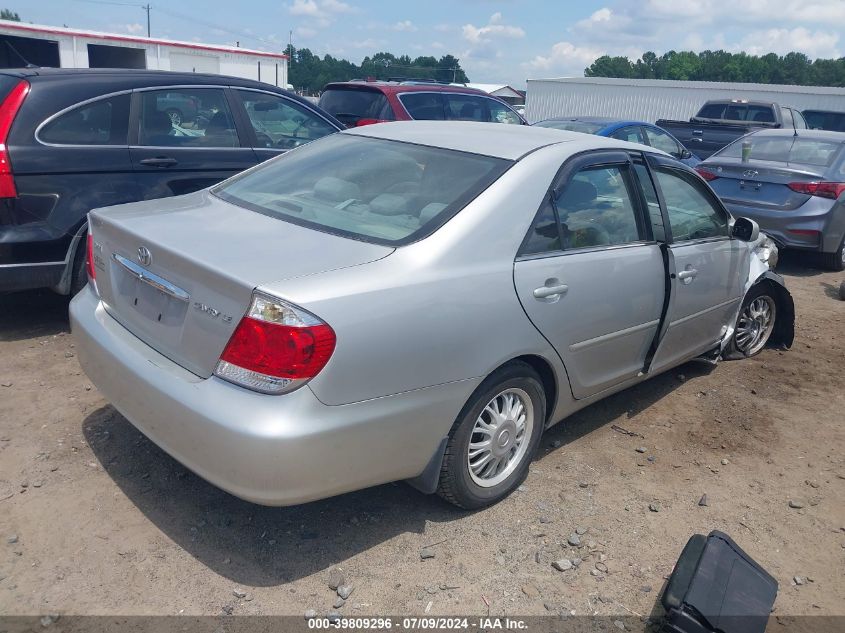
367, 43
564, 59
133, 28
812, 43
304, 7
336, 6
404, 25
320, 13
304, 31
495, 28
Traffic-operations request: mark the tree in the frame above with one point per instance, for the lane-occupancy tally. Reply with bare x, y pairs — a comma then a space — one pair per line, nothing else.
607, 66
8, 14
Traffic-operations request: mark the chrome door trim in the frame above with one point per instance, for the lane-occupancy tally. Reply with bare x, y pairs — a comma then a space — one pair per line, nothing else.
159, 283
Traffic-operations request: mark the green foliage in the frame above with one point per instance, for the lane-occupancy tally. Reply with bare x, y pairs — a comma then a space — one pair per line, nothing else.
8, 14
792, 68
309, 72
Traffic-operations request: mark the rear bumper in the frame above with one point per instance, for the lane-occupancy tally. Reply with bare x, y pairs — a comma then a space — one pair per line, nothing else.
272, 450
825, 218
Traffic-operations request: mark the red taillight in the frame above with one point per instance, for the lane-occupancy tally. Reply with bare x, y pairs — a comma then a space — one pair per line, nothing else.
361, 122
89, 259
706, 174
276, 347
830, 190
8, 110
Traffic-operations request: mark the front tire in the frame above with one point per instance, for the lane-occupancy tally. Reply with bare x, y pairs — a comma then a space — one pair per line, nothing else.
494, 438
755, 324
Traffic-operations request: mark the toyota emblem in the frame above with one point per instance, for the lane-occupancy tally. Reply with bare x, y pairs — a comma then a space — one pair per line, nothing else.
145, 258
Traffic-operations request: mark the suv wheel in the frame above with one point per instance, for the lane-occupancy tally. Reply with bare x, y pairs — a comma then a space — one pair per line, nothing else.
494, 438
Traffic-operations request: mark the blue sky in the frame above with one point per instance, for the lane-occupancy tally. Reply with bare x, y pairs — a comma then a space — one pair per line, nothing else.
497, 41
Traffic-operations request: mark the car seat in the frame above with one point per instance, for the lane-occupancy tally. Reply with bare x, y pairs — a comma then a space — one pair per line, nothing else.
155, 129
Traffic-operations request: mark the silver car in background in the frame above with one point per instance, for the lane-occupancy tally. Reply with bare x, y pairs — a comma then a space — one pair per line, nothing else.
414, 300
791, 183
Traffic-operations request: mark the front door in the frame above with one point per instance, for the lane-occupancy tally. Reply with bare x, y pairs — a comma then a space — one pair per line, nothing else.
590, 275
707, 269
185, 139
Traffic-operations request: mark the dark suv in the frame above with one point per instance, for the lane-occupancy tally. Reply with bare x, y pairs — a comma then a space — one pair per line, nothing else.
75, 139
357, 103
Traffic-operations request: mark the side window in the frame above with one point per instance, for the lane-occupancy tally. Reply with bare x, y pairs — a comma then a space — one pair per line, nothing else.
544, 236
280, 123
423, 106
662, 141
596, 208
693, 215
103, 122
786, 113
654, 215
186, 117
500, 113
461, 107
631, 134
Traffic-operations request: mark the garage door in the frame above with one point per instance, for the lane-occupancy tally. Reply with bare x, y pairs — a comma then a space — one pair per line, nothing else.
187, 62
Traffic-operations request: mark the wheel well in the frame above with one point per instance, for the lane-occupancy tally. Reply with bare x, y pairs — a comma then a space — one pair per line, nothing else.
784, 331
547, 376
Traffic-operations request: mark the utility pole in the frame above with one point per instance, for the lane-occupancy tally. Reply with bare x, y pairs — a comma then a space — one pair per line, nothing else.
147, 8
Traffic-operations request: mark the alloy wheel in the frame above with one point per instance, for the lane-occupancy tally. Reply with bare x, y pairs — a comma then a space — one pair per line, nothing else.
755, 325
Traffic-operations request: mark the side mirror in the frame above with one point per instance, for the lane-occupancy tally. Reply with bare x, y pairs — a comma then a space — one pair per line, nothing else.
745, 230
685, 154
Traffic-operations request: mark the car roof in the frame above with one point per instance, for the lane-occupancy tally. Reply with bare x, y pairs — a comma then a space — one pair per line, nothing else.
132, 73
510, 142
392, 87
822, 135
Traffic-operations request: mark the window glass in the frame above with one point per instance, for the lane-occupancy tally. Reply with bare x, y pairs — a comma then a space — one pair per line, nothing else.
630, 134
500, 113
662, 141
103, 122
786, 149
280, 123
349, 105
424, 106
760, 114
366, 188
654, 215
712, 111
692, 214
461, 107
596, 208
544, 236
186, 117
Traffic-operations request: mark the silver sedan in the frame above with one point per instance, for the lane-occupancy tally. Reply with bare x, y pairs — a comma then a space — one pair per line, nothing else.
413, 300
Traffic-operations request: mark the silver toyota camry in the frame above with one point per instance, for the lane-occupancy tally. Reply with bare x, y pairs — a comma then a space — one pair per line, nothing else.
413, 301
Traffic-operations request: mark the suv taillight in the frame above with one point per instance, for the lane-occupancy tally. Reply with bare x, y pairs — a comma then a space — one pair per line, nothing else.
830, 190
276, 348
8, 110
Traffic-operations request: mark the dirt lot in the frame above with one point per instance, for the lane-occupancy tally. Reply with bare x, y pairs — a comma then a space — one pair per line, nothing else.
95, 519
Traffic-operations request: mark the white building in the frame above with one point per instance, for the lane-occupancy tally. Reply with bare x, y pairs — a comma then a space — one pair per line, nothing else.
652, 99
504, 92
49, 46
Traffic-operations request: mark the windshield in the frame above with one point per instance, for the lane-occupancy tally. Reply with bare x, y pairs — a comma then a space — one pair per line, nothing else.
350, 105
573, 126
386, 192
785, 149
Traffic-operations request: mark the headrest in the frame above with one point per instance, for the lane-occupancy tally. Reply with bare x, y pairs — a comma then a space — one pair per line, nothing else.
335, 189
389, 204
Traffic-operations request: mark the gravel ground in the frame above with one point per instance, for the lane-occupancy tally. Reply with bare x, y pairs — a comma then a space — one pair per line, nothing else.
95, 519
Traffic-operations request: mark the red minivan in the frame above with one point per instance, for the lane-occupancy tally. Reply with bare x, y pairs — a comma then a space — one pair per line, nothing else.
356, 103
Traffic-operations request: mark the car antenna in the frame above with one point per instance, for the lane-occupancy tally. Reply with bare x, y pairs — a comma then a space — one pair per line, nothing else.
26, 62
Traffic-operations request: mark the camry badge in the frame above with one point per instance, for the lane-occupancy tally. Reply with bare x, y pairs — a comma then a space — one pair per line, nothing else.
145, 258
750, 173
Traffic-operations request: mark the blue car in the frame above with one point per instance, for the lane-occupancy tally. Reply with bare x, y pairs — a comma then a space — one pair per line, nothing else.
632, 131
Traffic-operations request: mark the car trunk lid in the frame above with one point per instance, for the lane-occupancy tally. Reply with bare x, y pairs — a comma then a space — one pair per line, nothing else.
179, 273
759, 184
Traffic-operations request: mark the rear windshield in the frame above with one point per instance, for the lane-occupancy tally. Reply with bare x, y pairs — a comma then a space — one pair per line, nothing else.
573, 126
786, 149
349, 105
375, 190
737, 112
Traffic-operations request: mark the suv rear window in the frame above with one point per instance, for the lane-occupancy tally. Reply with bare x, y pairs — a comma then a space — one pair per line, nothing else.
101, 122
351, 104
785, 149
381, 191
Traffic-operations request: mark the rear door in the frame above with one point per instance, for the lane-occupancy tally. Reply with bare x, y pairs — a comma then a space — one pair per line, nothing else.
707, 269
590, 275
185, 138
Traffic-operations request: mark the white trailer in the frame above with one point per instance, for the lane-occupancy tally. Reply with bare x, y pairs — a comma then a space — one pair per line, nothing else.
652, 99
56, 47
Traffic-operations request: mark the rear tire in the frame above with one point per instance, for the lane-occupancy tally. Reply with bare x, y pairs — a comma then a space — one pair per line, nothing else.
835, 261
503, 421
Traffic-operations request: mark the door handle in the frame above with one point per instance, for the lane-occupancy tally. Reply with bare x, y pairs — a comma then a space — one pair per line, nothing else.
159, 161
689, 273
546, 292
